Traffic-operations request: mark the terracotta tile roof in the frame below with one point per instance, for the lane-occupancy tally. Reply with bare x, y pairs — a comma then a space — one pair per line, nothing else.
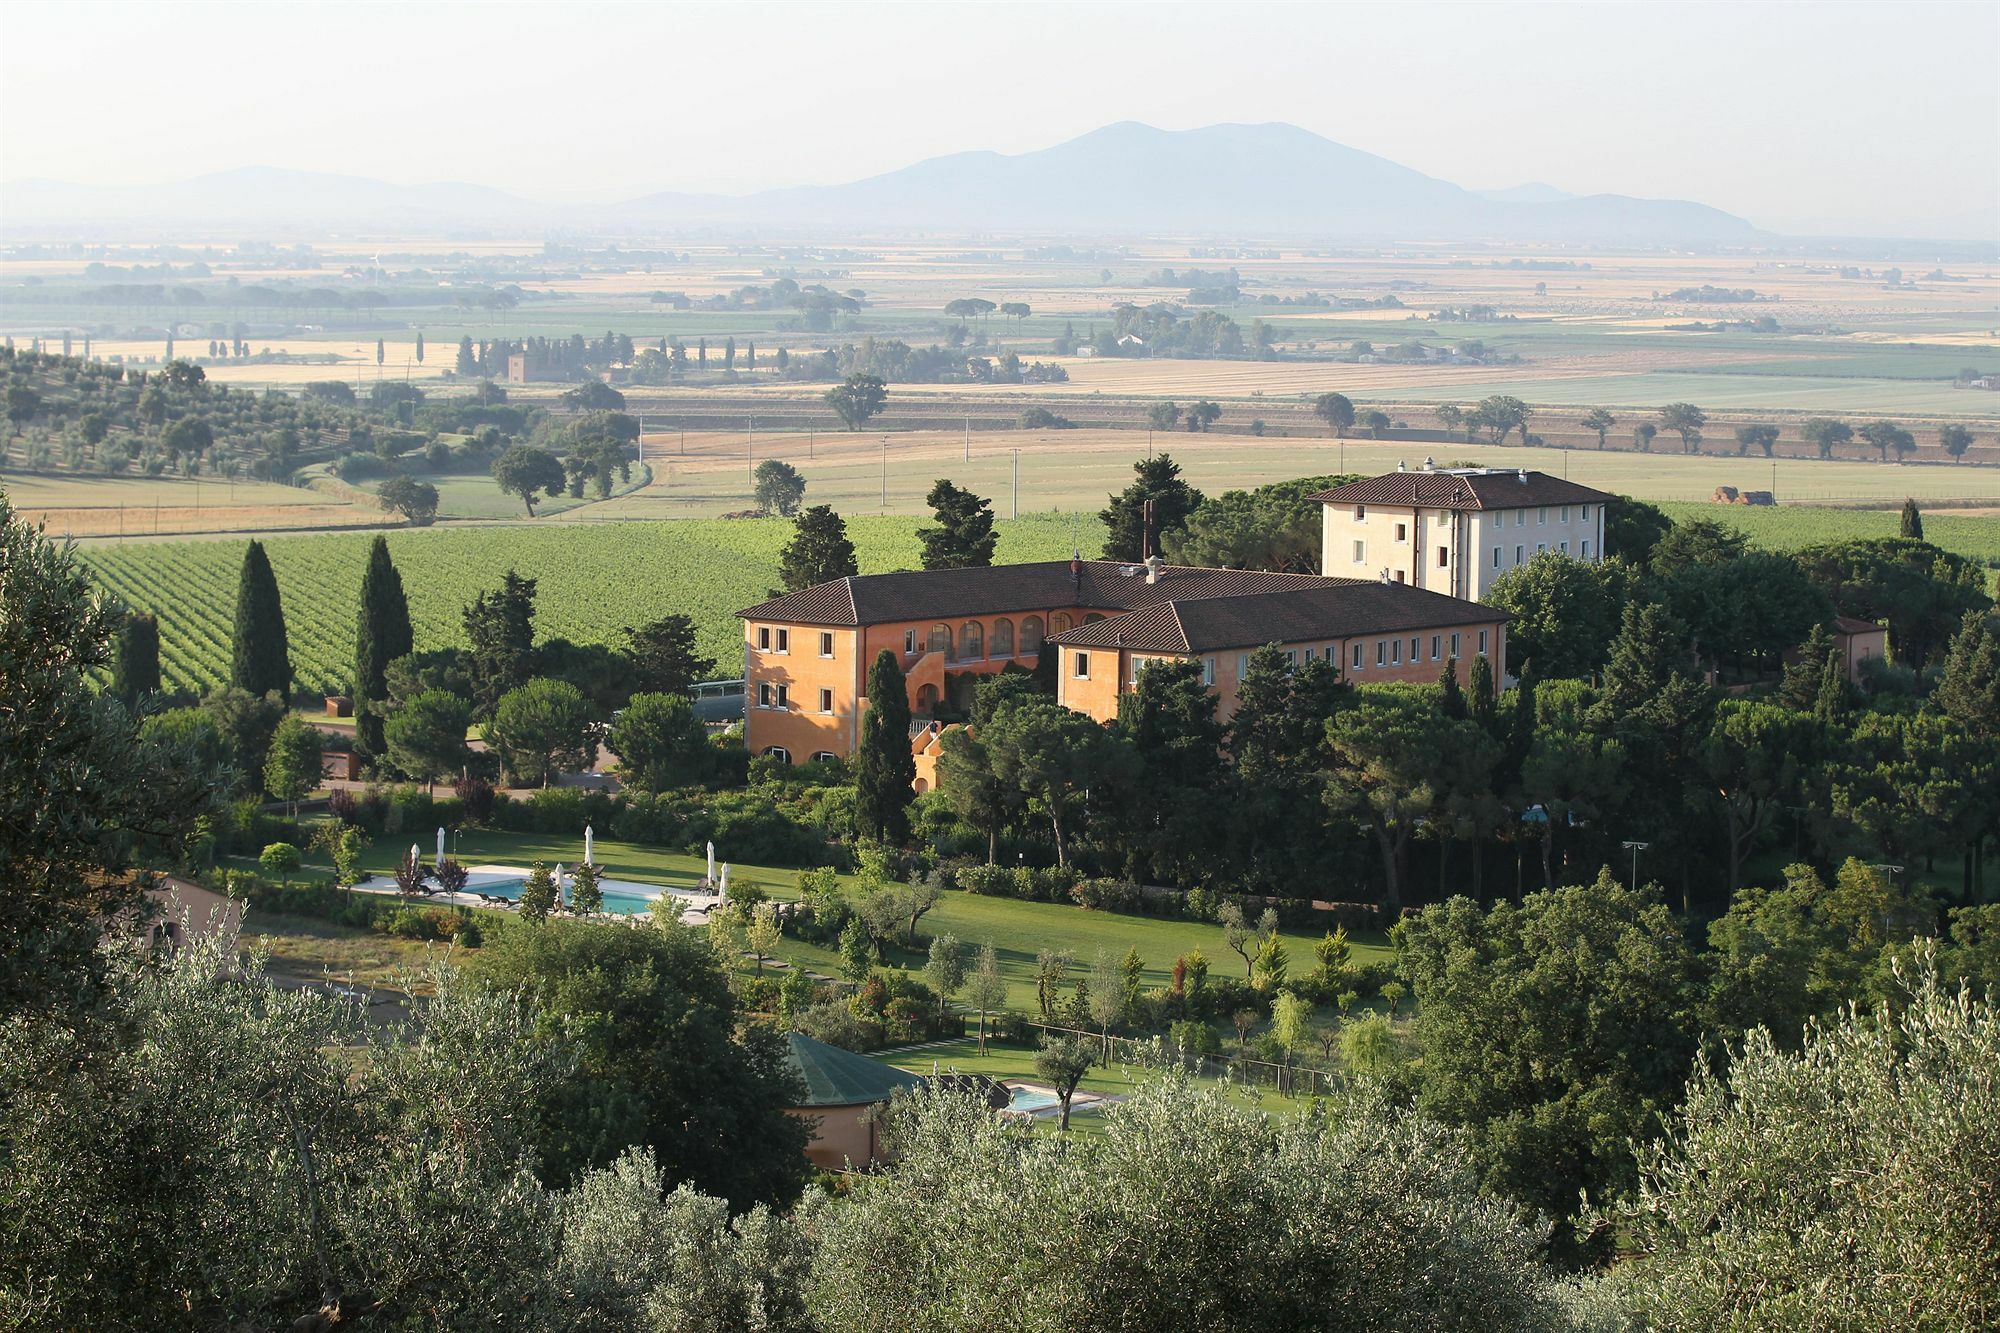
1851, 625
1484, 489
946, 594
1338, 609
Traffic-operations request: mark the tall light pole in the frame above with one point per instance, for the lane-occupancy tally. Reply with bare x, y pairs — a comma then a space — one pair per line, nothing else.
1635, 848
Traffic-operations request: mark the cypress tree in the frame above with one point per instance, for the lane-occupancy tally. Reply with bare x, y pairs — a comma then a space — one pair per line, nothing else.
1913, 520
135, 667
263, 660
381, 635
1483, 702
885, 770
1832, 699
1451, 699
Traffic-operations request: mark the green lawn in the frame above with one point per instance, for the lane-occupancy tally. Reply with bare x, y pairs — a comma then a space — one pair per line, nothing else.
1114, 1080
1017, 930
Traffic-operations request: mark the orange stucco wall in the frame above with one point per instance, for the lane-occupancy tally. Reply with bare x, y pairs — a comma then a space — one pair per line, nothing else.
1111, 668
802, 729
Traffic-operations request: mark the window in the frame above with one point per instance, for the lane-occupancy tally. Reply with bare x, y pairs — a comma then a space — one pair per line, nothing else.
778, 752
1542, 517
1437, 646
764, 638
1092, 618
1361, 553
1562, 514
1399, 576
1586, 513
784, 641
764, 694
1031, 635
824, 756
1059, 622
1541, 548
1444, 556
938, 640
1208, 671
1496, 557
1291, 657
1416, 650
1396, 653
1360, 513
1002, 642
1381, 652
826, 701
1482, 642
825, 644
972, 640
1358, 665
784, 696
909, 641
1083, 666
1454, 645
1402, 532
1565, 548
1520, 518
1242, 665
1583, 548
1520, 554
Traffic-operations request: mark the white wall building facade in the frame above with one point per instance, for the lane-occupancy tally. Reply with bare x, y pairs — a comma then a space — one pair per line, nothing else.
1456, 531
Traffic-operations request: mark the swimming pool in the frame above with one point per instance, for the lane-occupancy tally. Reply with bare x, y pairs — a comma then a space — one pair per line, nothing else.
1029, 1100
621, 898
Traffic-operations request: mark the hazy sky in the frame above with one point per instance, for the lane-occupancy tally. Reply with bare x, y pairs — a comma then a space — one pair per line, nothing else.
1865, 117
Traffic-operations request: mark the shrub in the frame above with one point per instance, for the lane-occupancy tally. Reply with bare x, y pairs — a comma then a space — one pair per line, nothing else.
281, 859
476, 795
556, 810
340, 803
1195, 1037
836, 1024
988, 881
1105, 895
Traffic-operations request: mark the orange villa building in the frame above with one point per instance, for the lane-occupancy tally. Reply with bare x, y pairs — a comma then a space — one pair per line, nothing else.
807, 653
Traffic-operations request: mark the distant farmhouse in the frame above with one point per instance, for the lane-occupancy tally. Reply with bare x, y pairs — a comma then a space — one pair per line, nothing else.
1406, 558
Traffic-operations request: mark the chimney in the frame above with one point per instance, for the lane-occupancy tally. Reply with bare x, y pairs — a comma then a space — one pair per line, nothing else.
1153, 566
1076, 571
1385, 574
1522, 473
1400, 467
1430, 464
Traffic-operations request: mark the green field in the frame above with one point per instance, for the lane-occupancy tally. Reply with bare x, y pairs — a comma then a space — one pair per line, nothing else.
594, 581
1783, 529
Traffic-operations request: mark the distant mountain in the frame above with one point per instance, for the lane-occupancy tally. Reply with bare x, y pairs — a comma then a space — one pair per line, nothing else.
263, 196
1239, 180
1534, 192
1245, 181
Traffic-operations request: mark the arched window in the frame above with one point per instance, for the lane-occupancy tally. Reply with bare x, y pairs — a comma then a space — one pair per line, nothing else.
927, 698
824, 757
1092, 618
778, 752
1059, 622
1031, 636
972, 640
940, 641
921, 786
1003, 637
